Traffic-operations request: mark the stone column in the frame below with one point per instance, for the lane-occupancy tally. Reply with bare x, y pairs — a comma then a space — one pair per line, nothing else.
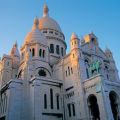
37, 50
37, 111
103, 101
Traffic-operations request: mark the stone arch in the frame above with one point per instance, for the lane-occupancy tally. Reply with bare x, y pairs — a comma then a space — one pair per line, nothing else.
114, 103
93, 107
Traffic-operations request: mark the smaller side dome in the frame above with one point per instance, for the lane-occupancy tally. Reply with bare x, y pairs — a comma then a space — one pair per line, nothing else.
74, 35
107, 50
36, 34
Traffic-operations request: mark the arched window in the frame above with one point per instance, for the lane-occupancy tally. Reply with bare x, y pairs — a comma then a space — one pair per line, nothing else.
62, 51
33, 52
43, 53
51, 48
106, 72
57, 49
40, 52
66, 73
69, 70
69, 110
57, 97
73, 107
8, 64
87, 67
51, 98
45, 101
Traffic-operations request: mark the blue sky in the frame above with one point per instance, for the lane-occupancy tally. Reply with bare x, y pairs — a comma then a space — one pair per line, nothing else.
81, 16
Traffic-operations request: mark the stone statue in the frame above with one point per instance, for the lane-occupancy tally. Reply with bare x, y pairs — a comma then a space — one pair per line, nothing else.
95, 67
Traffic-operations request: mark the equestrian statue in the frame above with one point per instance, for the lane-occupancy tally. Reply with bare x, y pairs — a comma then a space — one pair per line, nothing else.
95, 66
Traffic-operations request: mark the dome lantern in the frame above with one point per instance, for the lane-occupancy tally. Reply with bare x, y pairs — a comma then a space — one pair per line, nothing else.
45, 11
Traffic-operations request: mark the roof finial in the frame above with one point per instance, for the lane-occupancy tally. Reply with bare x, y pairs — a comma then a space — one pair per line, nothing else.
45, 10
91, 32
36, 22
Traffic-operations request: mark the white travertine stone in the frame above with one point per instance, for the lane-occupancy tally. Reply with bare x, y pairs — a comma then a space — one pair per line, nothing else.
26, 78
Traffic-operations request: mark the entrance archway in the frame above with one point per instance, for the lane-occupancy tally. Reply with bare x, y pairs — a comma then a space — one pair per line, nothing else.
114, 104
94, 113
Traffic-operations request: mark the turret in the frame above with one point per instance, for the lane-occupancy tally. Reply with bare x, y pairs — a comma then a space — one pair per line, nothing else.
113, 68
93, 42
75, 41
6, 70
76, 49
14, 52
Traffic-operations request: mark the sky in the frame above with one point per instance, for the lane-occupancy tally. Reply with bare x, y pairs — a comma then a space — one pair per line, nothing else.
81, 16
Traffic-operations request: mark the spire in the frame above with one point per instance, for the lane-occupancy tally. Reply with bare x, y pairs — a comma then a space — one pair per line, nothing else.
14, 51
36, 22
45, 10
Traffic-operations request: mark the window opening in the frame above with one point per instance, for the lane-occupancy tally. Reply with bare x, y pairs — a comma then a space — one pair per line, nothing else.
57, 101
57, 49
56, 33
45, 101
73, 107
62, 51
51, 32
51, 98
51, 48
69, 110
42, 73
44, 31
40, 52
8, 64
66, 73
87, 73
33, 52
73, 56
69, 70
43, 53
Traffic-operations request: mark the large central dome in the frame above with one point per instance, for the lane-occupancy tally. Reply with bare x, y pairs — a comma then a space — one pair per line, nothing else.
46, 22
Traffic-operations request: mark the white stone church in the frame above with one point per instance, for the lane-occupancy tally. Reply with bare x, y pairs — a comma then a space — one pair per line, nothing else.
44, 83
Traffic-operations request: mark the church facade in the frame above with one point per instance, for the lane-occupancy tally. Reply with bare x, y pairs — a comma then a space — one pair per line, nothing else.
43, 82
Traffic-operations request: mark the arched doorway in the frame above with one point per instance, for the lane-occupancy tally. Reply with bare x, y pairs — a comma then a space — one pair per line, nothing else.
114, 104
94, 113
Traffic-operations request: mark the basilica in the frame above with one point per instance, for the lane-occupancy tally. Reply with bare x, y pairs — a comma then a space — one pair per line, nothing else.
42, 82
